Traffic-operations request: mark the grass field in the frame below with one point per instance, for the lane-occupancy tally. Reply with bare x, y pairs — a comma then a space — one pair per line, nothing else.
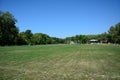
60, 62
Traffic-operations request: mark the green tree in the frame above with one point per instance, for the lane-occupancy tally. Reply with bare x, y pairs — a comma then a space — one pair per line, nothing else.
21, 40
36, 38
112, 34
40, 38
28, 36
8, 30
104, 37
117, 28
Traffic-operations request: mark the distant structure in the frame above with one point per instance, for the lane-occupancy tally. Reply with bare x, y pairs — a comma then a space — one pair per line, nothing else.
93, 41
72, 42
104, 42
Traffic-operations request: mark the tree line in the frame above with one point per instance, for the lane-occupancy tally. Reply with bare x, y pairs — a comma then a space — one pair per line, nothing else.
10, 34
112, 36
28, 38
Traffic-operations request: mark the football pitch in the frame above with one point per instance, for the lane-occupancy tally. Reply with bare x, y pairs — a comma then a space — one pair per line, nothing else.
60, 62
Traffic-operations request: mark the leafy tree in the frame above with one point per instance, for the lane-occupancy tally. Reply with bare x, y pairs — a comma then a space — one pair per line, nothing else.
117, 28
40, 38
28, 36
36, 38
113, 34
25, 38
21, 40
8, 30
57, 40
104, 37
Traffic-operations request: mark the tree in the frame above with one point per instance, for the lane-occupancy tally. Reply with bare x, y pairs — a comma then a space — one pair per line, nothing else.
113, 34
28, 35
22, 39
104, 37
25, 38
55, 40
36, 38
40, 38
117, 28
8, 30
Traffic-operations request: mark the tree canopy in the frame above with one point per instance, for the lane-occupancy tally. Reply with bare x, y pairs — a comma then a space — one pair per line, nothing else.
114, 34
8, 29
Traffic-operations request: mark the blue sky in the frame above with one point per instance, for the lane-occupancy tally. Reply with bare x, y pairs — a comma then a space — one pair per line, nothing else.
64, 18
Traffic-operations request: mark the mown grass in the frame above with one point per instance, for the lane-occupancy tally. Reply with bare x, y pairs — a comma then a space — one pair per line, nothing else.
60, 62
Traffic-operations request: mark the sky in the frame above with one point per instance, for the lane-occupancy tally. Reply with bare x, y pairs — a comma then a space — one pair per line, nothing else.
64, 18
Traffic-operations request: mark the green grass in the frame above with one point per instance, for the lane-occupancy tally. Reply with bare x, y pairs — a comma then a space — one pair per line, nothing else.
60, 62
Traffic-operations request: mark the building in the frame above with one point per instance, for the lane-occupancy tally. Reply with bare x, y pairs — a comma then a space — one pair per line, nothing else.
93, 41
